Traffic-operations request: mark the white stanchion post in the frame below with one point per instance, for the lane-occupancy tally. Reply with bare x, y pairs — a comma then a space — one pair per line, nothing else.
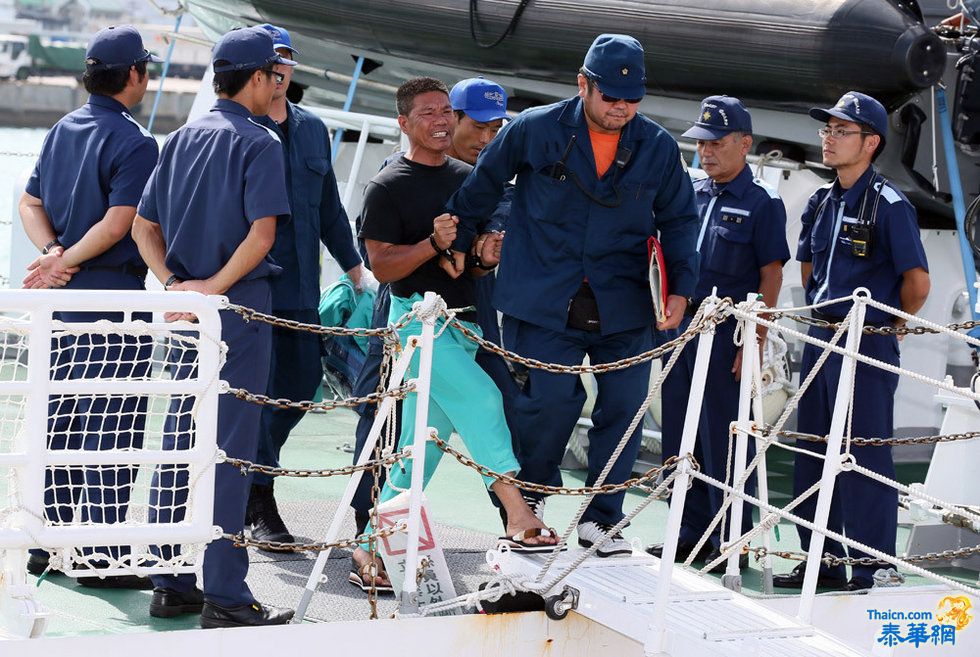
20, 615
202, 467
831, 463
656, 640
384, 410
762, 477
355, 166
409, 598
733, 576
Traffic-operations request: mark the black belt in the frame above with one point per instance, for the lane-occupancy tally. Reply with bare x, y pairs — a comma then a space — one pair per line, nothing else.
139, 271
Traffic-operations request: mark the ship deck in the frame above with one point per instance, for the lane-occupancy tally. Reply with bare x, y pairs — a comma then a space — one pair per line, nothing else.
467, 523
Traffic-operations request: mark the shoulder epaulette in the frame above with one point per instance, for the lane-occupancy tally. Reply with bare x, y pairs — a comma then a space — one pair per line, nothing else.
766, 186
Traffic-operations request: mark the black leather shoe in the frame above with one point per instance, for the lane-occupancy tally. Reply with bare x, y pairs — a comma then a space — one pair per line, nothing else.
743, 561
214, 615
859, 584
38, 563
263, 516
117, 582
167, 603
794, 579
683, 551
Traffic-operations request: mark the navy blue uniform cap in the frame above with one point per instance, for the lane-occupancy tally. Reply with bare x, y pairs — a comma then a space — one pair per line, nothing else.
280, 37
615, 63
117, 46
859, 108
480, 99
720, 115
246, 48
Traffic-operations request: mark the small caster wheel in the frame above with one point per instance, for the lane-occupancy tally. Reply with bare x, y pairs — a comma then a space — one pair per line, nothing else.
556, 607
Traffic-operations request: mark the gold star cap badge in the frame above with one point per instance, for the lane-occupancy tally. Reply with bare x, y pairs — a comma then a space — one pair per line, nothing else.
706, 116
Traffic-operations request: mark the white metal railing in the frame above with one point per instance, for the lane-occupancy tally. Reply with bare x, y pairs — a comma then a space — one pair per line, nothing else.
29, 386
427, 312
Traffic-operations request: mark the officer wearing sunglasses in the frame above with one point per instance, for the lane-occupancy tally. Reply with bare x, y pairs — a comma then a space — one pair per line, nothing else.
594, 180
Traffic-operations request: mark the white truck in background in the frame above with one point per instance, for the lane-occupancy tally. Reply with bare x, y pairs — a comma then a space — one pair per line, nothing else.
15, 60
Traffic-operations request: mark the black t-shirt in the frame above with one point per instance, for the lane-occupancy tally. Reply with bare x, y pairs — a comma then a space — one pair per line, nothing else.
400, 203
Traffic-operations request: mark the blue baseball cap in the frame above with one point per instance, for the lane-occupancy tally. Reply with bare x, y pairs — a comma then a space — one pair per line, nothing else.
246, 48
480, 99
280, 37
615, 63
117, 46
859, 108
720, 115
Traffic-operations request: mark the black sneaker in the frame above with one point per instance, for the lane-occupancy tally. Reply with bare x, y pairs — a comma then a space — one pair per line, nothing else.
590, 533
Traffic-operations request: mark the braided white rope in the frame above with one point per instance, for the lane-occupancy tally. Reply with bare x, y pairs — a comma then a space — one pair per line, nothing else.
874, 362
538, 587
760, 453
840, 538
637, 419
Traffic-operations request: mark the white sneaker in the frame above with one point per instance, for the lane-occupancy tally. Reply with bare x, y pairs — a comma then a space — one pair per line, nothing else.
536, 504
590, 533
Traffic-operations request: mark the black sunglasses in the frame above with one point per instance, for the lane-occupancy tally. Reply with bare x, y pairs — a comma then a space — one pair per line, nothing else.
612, 100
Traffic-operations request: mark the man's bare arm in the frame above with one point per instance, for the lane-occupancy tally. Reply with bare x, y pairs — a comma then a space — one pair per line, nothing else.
806, 268
152, 247
914, 291
37, 224
106, 233
393, 262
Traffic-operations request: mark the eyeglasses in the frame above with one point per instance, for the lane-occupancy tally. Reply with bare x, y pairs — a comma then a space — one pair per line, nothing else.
840, 133
612, 100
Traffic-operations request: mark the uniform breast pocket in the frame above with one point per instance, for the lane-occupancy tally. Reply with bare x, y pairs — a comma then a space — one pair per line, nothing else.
311, 178
731, 251
544, 196
818, 243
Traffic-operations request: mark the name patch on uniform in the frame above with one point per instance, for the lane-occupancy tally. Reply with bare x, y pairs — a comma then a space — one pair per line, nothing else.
734, 215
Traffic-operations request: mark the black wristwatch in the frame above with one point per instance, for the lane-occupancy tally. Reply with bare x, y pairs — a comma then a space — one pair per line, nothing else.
170, 281
50, 245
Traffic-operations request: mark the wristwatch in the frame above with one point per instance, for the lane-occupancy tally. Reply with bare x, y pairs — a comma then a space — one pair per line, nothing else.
50, 245
170, 281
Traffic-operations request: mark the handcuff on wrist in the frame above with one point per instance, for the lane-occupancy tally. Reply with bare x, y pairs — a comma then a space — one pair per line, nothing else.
446, 253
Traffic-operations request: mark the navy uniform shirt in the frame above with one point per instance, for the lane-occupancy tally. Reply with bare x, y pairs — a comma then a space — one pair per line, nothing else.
825, 241
317, 214
743, 229
557, 236
93, 159
215, 177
